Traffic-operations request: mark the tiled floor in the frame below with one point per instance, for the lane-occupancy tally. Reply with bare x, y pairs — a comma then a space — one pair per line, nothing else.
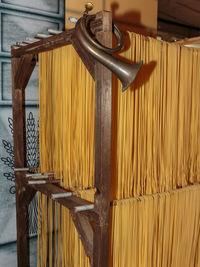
8, 254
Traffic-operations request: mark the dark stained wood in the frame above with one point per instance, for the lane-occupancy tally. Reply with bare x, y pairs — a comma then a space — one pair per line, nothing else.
18, 117
170, 31
96, 25
68, 202
103, 89
85, 231
23, 194
46, 44
55, 41
25, 68
184, 12
96, 242
189, 41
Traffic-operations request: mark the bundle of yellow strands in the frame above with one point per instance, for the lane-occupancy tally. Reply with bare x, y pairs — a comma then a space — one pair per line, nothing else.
155, 161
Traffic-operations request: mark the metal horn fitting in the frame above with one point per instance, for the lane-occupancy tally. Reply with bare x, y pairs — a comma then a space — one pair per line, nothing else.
125, 71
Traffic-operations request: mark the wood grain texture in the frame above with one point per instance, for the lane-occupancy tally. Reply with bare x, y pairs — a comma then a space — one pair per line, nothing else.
185, 12
188, 41
103, 105
69, 202
46, 44
21, 72
55, 41
96, 242
85, 231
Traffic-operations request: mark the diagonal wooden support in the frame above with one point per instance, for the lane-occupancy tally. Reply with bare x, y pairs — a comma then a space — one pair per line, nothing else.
85, 231
25, 67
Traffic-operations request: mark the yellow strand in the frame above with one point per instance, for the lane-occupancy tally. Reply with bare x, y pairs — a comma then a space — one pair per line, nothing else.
160, 226
155, 151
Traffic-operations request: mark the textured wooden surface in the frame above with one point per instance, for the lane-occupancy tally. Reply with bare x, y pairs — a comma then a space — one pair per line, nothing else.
103, 89
95, 238
21, 72
185, 12
55, 41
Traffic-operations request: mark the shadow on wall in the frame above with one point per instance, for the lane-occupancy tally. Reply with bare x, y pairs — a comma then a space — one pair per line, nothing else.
130, 21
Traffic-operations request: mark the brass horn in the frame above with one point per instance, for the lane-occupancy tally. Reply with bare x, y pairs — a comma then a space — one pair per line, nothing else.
126, 72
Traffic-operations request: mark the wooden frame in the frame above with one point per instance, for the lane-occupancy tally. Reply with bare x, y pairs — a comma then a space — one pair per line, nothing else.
94, 239
190, 41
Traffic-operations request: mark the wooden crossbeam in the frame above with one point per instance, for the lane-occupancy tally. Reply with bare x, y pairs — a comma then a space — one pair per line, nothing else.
189, 41
46, 44
55, 41
49, 189
82, 220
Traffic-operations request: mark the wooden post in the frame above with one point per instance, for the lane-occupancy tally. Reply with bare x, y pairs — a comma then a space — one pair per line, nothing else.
21, 72
22, 68
103, 79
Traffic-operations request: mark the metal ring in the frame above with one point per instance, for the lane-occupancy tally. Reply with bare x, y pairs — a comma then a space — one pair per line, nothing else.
116, 31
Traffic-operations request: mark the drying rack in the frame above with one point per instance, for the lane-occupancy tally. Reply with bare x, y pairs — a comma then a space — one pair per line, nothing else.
95, 239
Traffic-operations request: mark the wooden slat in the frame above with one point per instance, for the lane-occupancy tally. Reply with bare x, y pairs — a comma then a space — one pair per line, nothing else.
103, 105
58, 40
46, 44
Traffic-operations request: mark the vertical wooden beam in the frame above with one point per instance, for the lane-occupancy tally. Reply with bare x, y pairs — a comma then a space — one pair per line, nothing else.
103, 79
21, 72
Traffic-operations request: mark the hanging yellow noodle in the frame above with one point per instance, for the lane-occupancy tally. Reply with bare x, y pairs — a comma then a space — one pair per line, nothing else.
163, 229
155, 156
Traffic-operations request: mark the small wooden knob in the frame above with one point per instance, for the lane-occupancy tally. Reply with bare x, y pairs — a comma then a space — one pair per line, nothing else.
88, 7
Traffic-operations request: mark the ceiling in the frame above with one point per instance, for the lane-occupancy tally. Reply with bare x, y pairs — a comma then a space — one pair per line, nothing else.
186, 12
